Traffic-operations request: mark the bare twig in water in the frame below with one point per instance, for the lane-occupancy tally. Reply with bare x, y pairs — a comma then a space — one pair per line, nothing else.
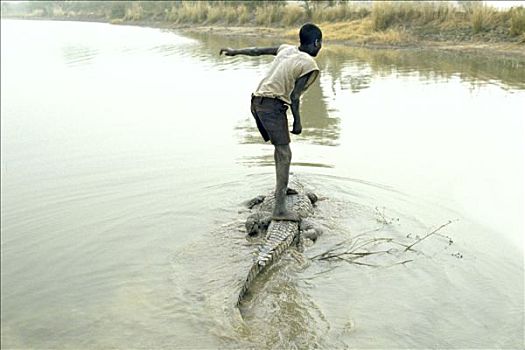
402, 262
353, 241
428, 235
359, 247
353, 255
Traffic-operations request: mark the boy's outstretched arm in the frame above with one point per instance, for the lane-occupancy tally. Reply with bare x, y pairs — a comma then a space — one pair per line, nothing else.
301, 85
250, 51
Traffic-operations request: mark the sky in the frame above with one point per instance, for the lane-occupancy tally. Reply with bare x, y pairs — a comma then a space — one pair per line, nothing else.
505, 4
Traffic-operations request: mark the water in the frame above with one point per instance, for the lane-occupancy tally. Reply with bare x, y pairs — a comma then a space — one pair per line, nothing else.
127, 152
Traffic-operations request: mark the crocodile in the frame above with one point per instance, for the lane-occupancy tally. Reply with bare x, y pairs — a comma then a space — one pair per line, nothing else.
279, 235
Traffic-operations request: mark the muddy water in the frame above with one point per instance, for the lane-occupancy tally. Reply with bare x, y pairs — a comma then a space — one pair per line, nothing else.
127, 152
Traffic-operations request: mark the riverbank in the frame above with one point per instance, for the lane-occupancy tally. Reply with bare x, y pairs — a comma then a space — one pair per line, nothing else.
468, 27
382, 40
378, 41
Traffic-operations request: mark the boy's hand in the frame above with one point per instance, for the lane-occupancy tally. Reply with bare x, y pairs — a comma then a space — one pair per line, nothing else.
227, 51
297, 128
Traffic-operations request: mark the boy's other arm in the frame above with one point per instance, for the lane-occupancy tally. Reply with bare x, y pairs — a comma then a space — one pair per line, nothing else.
299, 88
250, 51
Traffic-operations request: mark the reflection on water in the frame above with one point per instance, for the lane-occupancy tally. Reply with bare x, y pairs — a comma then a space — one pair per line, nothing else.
430, 66
353, 69
355, 77
122, 183
320, 126
267, 160
335, 60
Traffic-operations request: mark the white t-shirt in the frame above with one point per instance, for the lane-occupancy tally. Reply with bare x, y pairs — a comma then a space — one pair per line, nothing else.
289, 65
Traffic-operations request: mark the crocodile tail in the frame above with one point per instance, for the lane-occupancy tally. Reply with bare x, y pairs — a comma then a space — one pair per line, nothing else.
280, 237
254, 271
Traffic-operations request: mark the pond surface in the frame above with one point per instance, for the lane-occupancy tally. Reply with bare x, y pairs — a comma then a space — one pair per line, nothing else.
127, 153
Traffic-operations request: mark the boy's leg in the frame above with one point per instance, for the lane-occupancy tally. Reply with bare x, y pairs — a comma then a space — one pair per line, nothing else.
283, 158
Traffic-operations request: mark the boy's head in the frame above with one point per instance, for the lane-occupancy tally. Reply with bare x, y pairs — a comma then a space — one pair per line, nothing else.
311, 38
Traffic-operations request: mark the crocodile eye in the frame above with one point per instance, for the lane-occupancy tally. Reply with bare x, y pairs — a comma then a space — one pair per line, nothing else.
250, 227
312, 197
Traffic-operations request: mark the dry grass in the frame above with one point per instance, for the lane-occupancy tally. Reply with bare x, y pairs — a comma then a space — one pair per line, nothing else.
220, 13
361, 32
268, 15
389, 14
384, 22
482, 18
294, 15
339, 12
134, 13
389, 21
517, 22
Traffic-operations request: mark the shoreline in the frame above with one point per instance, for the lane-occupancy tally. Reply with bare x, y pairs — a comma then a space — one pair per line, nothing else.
506, 50
503, 49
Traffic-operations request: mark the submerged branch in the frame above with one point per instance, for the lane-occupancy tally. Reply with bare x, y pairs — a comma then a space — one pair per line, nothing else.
359, 248
428, 235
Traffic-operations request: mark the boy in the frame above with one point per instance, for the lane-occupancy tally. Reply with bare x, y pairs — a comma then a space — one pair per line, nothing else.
292, 72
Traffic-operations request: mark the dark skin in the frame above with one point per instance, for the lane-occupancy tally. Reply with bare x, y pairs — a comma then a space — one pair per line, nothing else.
283, 153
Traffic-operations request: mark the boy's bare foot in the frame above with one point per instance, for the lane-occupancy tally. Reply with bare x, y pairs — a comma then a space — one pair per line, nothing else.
286, 216
290, 191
